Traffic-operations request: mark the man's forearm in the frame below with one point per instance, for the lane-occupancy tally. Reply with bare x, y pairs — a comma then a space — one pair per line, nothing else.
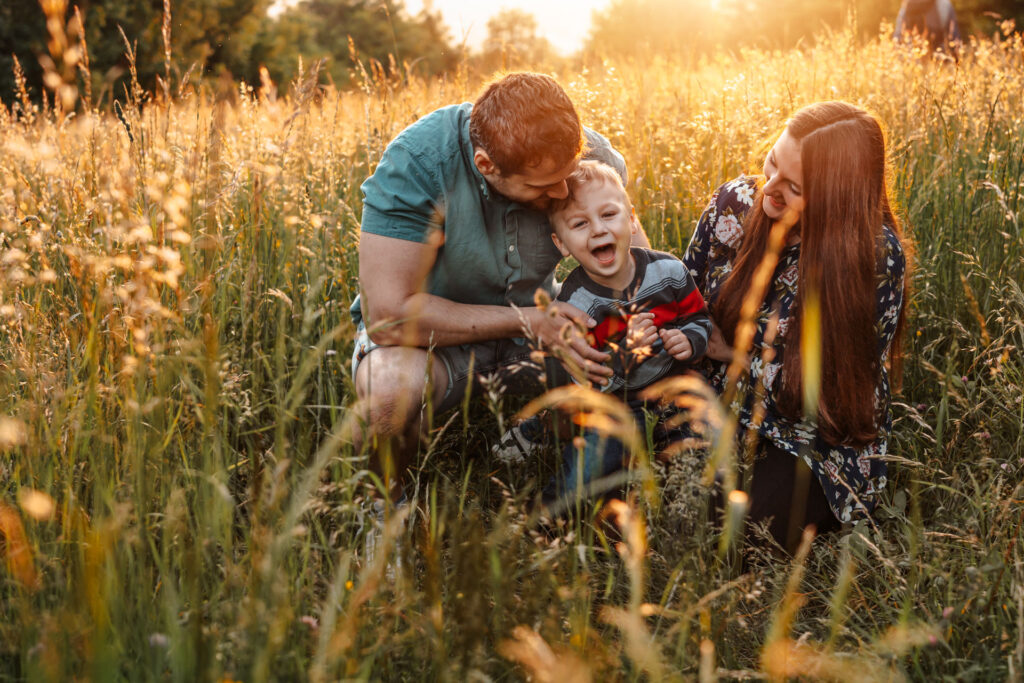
426, 319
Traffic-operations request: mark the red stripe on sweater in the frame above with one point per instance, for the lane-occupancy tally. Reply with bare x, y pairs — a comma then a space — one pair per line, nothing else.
613, 328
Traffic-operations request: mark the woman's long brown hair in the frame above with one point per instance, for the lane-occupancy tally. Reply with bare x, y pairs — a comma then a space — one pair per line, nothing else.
842, 151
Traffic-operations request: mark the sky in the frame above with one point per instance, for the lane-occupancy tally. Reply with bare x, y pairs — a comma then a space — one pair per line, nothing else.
565, 23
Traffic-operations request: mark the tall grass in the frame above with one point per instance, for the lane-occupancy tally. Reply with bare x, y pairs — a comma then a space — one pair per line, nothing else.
176, 497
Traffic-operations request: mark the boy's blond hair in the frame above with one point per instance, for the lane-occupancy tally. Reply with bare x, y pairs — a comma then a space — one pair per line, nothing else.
588, 171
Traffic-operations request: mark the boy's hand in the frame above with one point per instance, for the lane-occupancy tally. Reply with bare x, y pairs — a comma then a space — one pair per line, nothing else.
676, 344
641, 332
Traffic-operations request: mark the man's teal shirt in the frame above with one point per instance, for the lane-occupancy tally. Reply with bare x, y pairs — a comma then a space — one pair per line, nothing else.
493, 250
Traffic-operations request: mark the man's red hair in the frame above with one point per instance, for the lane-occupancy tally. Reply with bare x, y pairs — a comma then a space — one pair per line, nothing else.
524, 120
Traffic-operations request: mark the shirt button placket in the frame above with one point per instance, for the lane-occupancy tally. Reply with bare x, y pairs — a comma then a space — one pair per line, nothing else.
513, 258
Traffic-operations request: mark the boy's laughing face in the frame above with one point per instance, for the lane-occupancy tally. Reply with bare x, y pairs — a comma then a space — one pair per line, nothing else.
596, 229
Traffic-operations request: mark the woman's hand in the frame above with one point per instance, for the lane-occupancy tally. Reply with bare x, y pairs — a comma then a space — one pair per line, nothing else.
718, 348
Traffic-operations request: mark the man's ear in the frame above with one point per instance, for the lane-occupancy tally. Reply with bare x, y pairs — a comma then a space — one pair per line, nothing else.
483, 162
558, 245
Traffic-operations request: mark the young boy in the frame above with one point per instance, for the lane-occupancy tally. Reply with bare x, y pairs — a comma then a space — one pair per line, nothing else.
650, 316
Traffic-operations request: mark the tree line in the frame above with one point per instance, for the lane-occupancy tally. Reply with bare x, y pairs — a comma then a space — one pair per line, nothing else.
172, 40
690, 26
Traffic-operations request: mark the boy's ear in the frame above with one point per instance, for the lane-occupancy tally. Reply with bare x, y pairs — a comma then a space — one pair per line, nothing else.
558, 245
634, 222
483, 163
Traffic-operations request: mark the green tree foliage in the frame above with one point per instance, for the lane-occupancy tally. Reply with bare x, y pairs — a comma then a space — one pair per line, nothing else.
206, 36
374, 32
233, 37
512, 41
983, 17
22, 35
279, 45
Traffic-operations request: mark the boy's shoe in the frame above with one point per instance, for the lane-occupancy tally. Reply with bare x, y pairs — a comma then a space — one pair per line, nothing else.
514, 447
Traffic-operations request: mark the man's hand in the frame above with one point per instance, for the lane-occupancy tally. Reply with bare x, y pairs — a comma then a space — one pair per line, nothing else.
676, 343
560, 329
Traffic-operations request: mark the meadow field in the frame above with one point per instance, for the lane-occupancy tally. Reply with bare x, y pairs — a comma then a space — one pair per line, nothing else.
178, 500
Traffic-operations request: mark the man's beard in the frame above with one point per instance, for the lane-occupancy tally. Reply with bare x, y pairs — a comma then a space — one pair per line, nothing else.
539, 204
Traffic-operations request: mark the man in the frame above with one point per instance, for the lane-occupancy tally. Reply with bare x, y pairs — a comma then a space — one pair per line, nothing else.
454, 245
932, 19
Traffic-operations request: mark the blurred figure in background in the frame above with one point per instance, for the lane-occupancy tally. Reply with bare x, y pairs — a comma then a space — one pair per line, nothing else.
933, 19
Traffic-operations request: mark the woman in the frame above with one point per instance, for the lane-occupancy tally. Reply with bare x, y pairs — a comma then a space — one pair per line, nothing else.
829, 169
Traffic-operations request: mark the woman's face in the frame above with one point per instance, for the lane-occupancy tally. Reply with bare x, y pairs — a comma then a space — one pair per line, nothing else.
784, 177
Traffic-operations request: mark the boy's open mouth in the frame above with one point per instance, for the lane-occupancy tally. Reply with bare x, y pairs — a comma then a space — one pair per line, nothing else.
604, 254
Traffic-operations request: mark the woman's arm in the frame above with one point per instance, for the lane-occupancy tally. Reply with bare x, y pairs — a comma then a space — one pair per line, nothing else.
698, 254
695, 258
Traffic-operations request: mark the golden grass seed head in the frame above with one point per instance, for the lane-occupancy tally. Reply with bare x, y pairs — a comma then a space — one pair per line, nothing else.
13, 433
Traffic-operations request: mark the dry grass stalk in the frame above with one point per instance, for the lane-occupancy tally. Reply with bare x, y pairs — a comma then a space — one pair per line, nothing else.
17, 552
527, 648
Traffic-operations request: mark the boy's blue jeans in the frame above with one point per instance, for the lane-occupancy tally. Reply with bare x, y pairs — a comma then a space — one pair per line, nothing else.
599, 456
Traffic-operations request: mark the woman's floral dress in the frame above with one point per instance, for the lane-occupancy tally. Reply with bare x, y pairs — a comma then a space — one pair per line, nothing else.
852, 478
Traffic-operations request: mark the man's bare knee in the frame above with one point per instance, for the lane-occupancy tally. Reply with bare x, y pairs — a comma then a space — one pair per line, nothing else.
390, 383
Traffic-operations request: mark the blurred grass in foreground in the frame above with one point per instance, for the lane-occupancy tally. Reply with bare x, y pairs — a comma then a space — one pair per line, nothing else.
176, 500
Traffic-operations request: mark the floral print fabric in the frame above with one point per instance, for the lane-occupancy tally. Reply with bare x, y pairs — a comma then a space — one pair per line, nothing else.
852, 478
